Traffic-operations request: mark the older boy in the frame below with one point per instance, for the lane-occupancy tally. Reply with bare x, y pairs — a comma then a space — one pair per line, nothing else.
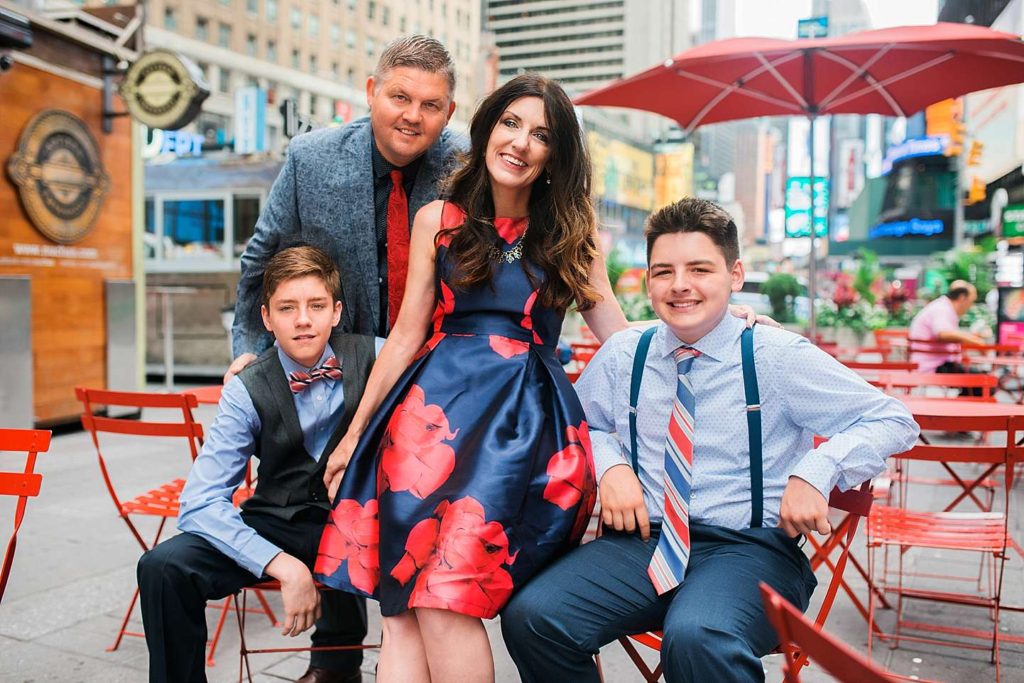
287, 408
688, 511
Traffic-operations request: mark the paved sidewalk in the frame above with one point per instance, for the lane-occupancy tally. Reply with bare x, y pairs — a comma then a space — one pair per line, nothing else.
74, 573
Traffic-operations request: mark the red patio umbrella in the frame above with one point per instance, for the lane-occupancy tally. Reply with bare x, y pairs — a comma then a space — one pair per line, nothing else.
892, 71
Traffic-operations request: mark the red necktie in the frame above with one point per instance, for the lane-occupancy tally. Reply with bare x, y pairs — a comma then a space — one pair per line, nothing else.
299, 381
398, 246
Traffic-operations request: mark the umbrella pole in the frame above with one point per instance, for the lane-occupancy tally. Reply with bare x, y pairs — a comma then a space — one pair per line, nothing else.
812, 264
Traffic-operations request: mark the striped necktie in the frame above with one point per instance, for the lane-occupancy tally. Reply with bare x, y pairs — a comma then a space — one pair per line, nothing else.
299, 381
668, 565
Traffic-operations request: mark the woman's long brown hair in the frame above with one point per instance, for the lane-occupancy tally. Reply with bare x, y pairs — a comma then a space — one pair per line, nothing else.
560, 238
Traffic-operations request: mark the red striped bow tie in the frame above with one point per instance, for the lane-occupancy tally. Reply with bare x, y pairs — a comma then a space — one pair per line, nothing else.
300, 380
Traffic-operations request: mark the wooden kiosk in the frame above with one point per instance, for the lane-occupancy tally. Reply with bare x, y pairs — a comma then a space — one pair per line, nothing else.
70, 217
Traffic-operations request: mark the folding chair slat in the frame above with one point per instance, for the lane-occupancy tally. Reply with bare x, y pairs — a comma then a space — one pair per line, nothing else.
20, 484
135, 399
24, 440
111, 425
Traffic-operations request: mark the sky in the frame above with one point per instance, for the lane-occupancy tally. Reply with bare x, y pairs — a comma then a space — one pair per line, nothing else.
778, 18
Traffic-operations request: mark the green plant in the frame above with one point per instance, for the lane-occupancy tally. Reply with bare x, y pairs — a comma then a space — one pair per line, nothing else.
867, 275
636, 306
781, 289
615, 265
970, 264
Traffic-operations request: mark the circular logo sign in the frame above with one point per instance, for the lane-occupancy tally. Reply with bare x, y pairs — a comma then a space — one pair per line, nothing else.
59, 175
164, 90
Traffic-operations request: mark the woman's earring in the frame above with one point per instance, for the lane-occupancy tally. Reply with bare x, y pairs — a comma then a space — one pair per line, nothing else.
548, 181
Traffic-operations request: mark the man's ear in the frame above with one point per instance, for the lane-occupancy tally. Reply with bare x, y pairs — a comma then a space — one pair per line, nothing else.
266, 318
737, 275
451, 110
337, 314
370, 84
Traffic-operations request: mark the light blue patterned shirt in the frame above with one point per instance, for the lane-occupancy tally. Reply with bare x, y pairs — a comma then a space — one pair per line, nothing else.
803, 390
206, 508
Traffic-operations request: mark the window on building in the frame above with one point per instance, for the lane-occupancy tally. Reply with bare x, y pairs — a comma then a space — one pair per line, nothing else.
223, 2
251, 7
271, 11
149, 241
170, 20
247, 210
350, 39
224, 35
313, 104
350, 77
313, 64
351, 5
271, 51
401, 24
224, 82
371, 10
193, 228
385, 15
202, 29
296, 17
334, 70
371, 47
314, 26
296, 59
250, 45
335, 33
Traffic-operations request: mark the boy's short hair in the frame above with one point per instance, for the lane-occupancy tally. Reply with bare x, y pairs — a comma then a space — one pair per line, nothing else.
695, 215
301, 261
418, 51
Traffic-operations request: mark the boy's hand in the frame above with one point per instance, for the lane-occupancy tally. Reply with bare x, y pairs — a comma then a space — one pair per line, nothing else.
803, 509
337, 463
238, 364
622, 501
744, 311
301, 598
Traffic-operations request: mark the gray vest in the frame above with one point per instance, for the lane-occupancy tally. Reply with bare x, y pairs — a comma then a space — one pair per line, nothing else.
289, 480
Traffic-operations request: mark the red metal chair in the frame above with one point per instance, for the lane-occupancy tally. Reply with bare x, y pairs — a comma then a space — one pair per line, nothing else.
160, 502
984, 533
800, 637
879, 366
582, 352
244, 668
23, 484
921, 382
856, 505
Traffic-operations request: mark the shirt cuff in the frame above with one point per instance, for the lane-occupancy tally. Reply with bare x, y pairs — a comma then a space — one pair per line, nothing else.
818, 472
607, 453
256, 554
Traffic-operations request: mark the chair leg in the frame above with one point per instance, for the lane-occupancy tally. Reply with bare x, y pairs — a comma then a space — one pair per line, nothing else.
212, 648
121, 632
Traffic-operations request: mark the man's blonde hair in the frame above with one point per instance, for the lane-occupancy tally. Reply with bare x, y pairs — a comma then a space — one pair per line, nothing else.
418, 51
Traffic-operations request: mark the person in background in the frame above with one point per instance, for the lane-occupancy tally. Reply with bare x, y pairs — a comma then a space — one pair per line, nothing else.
939, 321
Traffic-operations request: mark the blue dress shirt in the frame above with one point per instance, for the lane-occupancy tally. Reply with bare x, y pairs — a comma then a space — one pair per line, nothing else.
804, 392
206, 507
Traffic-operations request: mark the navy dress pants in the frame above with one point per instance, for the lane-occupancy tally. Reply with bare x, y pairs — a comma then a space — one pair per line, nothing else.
714, 623
180, 575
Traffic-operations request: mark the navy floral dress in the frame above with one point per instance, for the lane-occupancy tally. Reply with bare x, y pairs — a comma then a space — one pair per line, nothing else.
476, 471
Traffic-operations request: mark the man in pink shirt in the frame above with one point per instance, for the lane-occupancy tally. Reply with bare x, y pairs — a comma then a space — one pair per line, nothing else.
939, 321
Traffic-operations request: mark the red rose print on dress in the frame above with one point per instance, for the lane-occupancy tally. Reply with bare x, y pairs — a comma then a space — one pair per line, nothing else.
528, 317
570, 470
352, 533
413, 457
507, 348
459, 557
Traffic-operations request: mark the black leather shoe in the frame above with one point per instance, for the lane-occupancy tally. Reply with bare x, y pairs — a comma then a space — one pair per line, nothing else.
315, 674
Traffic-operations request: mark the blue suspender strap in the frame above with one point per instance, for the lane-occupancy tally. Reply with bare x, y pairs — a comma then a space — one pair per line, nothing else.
639, 360
753, 428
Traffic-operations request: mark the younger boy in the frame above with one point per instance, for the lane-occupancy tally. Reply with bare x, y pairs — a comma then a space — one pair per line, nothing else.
288, 409
684, 547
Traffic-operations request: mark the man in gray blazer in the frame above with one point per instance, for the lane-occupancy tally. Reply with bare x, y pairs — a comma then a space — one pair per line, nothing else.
344, 190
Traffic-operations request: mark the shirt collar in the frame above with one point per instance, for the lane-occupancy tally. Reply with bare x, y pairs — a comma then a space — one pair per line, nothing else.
291, 366
382, 167
719, 344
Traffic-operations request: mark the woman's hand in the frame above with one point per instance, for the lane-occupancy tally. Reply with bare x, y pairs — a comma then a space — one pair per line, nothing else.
337, 463
744, 311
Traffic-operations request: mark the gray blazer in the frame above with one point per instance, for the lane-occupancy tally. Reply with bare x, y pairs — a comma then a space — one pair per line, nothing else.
324, 197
